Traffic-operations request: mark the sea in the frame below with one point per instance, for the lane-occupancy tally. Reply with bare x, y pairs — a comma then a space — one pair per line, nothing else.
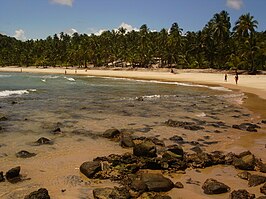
73, 112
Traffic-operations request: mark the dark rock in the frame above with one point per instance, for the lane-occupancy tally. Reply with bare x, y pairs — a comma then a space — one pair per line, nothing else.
2, 179
177, 139
212, 186
13, 173
261, 166
25, 154
56, 131
156, 141
179, 185
111, 193
200, 160
186, 125
44, 140
89, 169
156, 182
196, 149
241, 194
139, 186
247, 127
111, 133
245, 162
145, 149
263, 121
176, 149
262, 197
3, 118
126, 140
244, 175
263, 189
42, 193
255, 180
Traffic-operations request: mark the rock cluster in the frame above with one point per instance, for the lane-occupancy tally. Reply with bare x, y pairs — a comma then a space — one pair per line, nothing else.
130, 169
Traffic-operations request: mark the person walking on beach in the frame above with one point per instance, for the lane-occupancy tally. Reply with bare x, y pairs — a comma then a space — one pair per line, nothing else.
236, 77
225, 77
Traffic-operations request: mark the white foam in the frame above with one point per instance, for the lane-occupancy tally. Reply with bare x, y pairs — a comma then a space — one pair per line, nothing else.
70, 79
7, 93
5, 76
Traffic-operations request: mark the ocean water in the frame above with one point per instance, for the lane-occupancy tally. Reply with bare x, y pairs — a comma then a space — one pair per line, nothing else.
33, 105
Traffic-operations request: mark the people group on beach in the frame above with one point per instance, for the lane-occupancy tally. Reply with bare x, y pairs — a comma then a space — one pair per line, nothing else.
236, 77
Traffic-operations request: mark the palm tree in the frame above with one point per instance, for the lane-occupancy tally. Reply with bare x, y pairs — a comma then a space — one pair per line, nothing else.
244, 30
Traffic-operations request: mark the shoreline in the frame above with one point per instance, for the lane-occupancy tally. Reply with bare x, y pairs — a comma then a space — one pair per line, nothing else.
253, 85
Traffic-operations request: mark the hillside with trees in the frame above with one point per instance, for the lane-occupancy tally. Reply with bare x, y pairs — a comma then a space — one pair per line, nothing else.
218, 45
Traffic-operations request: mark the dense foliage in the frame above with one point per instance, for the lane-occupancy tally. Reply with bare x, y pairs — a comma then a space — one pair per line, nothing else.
214, 46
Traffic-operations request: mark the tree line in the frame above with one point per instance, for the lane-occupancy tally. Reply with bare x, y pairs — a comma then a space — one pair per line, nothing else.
217, 45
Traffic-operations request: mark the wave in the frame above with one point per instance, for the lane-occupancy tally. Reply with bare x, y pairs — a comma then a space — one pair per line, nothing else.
7, 93
70, 79
3, 76
218, 88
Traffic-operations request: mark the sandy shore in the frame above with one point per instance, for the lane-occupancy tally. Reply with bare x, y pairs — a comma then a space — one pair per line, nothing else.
255, 85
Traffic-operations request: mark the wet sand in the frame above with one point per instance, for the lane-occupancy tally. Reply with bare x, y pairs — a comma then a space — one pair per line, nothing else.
56, 166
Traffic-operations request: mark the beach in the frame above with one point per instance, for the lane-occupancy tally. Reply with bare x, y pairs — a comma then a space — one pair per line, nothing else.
252, 84
202, 115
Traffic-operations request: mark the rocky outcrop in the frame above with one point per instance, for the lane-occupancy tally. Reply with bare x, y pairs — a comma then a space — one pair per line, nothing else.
186, 125
41, 193
263, 189
212, 186
247, 127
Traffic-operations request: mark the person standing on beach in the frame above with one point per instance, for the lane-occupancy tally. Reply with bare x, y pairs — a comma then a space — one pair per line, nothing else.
236, 77
225, 77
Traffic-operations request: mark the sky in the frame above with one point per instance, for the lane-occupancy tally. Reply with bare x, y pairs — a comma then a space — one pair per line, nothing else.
38, 19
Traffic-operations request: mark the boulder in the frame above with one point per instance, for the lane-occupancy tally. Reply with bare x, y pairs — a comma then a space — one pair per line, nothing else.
2, 179
156, 182
255, 180
246, 162
13, 173
42, 193
89, 169
109, 193
126, 140
111, 133
145, 149
25, 154
263, 189
212, 186
177, 139
241, 194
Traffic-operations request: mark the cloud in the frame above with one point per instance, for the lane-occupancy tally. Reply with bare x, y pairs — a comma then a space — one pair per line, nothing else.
70, 31
20, 35
63, 2
124, 25
235, 4
128, 27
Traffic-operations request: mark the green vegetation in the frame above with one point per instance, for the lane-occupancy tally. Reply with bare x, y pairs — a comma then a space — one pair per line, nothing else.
215, 46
